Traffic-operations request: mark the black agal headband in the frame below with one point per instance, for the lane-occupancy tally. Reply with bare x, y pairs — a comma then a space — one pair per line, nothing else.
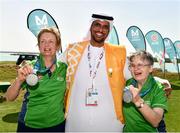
102, 17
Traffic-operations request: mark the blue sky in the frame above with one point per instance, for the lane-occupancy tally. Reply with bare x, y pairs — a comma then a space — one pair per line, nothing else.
73, 18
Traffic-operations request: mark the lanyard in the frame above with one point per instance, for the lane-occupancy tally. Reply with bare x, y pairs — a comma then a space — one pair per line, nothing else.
142, 93
39, 70
92, 73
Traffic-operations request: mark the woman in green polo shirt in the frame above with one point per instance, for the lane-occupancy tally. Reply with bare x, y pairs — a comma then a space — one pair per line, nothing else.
43, 104
144, 112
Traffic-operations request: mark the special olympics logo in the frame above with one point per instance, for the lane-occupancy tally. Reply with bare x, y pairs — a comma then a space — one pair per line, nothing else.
154, 37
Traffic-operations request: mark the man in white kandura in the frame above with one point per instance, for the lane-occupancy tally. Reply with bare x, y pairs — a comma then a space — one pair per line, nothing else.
95, 81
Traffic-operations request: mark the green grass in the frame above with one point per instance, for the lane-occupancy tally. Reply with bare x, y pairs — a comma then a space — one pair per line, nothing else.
172, 118
9, 110
9, 114
7, 71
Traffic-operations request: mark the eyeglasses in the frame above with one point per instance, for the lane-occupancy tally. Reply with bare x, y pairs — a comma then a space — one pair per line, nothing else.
138, 66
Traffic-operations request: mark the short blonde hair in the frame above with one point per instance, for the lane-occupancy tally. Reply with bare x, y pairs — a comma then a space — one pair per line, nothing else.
54, 31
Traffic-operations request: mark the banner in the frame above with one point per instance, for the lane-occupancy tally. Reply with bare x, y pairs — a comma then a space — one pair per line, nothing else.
170, 50
39, 19
177, 47
156, 43
136, 37
113, 37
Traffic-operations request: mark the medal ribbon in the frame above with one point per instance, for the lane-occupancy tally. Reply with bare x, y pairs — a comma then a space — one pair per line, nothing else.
146, 87
39, 70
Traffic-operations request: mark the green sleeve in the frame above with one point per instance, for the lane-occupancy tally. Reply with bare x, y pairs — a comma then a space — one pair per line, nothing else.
159, 100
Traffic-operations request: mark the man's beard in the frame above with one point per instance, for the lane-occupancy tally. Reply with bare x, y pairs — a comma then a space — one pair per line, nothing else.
102, 40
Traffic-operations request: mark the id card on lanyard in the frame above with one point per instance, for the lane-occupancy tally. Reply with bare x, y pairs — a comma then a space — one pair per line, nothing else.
91, 97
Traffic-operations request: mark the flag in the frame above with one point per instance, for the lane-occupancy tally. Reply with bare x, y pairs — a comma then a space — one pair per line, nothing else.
38, 19
136, 37
156, 43
113, 37
177, 47
170, 50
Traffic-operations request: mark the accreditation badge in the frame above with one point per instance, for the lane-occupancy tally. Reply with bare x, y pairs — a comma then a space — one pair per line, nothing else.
91, 97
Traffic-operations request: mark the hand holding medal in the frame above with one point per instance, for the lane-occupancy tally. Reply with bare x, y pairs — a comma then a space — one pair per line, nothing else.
27, 73
32, 79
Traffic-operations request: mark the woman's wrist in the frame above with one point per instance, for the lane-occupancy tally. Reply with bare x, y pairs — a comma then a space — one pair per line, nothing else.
18, 81
139, 103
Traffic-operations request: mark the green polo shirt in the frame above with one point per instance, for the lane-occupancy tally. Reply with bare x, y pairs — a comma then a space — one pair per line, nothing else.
44, 106
154, 96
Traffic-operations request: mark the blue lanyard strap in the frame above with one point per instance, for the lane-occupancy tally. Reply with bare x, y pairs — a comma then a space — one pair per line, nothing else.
42, 71
142, 94
146, 87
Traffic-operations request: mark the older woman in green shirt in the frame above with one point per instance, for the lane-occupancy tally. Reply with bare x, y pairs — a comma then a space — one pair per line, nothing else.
149, 102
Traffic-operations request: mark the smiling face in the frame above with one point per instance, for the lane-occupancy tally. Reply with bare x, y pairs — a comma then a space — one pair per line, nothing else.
48, 44
140, 68
99, 32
